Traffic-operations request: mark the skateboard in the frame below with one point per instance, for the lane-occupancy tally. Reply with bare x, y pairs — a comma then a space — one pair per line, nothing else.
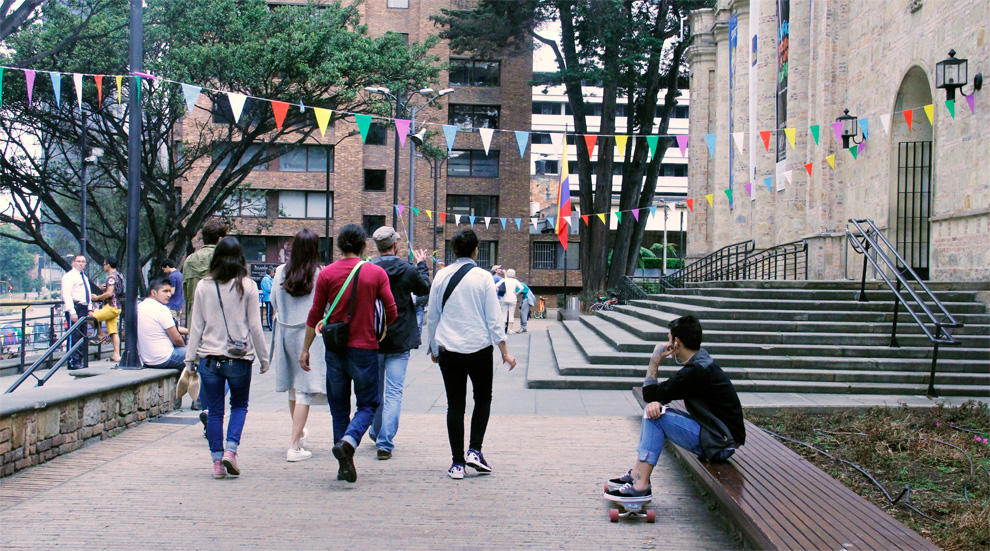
631, 509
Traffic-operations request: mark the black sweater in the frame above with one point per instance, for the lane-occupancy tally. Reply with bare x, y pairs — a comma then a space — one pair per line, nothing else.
405, 279
709, 397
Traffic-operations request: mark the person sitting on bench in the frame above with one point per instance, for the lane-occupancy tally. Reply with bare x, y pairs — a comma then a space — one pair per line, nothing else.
712, 428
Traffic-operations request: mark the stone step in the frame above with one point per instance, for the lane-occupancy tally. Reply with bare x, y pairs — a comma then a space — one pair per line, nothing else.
762, 304
973, 286
657, 315
817, 294
624, 341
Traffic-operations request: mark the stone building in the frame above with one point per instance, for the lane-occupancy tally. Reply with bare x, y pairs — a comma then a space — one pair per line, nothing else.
291, 192
926, 187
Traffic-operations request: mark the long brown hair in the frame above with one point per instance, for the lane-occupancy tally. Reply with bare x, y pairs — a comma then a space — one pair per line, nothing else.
228, 263
304, 259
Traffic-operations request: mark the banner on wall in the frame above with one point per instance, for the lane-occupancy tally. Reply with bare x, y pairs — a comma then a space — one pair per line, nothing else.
783, 69
754, 98
733, 42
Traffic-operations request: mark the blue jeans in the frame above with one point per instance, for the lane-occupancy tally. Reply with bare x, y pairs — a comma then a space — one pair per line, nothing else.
176, 361
419, 318
523, 314
214, 375
682, 430
269, 313
391, 380
359, 366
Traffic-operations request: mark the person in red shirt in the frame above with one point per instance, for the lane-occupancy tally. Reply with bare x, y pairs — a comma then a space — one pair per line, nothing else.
359, 363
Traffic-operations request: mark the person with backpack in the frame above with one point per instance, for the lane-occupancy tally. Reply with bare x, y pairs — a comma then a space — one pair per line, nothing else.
405, 280
350, 288
463, 324
507, 290
113, 298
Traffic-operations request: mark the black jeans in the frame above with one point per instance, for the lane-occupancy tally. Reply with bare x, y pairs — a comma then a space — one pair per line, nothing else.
76, 358
456, 368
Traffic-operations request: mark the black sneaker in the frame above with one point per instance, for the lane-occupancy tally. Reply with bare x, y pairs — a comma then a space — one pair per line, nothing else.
627, 494
344, 452
616, 483
384, 454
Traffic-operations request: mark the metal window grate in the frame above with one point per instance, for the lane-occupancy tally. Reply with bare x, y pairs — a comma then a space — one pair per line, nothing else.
544, 255
914, 200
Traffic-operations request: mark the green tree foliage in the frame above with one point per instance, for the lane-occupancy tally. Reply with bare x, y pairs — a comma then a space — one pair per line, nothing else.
634, 49
16, 261
320, 55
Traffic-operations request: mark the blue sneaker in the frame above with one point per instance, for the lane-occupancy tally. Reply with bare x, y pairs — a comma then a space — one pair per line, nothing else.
456, 471
477, 461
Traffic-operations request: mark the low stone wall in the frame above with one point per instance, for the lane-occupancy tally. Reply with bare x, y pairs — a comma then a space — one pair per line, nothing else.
39, 424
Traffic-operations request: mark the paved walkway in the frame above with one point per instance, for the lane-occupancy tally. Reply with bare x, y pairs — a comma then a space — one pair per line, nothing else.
151, 487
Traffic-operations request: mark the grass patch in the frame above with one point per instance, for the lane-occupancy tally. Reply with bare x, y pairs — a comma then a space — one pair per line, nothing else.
906, 447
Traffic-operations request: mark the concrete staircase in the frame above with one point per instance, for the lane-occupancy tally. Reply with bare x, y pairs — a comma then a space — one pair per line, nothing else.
777, 336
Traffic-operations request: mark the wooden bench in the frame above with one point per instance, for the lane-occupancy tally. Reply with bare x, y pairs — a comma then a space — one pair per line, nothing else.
779, 500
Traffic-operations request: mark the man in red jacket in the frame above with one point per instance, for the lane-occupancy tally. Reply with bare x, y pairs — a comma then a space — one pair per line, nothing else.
358, 364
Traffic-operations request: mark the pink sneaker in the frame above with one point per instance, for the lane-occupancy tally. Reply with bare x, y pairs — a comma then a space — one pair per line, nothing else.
230, 463
218, 470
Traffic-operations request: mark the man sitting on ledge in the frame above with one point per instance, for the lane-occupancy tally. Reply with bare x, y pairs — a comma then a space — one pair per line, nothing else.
713, 426
160, 343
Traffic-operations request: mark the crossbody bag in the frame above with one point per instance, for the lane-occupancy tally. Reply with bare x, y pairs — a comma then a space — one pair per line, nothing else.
335, 335
235, 348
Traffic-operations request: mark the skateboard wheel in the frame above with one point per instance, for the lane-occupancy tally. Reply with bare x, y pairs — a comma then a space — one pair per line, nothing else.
651, 516
606, 488
613, 515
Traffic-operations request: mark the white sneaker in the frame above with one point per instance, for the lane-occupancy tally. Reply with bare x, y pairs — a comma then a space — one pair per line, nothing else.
297, 455
456, 472
305, 436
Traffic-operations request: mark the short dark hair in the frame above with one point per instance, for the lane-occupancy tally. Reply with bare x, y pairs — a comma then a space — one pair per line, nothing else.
157, 283
111, 261
352, 239
464, 242
688, 329
77, 256
168, 263
213, 232
270, 271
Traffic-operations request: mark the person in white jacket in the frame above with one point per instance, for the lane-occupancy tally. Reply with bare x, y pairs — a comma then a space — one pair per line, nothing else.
508, 288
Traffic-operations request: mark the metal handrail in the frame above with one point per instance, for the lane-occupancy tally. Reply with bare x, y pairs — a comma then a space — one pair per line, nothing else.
720, 264
25, 305
81, 322
763, 264
940, 335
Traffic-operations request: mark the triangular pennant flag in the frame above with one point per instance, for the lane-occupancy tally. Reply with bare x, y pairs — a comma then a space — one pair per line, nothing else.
809, 167
635, 213
864, 125
861, 147
971, 100
532, 221
584, 218
457, 219
908, 117
765, 136
1, 86
471, 220
589, 142
837, 126
99, 88
77, 80
29, 76
323, 119
236, 104
429, 214
682, 144
885, 123
711, 199
488, 221
551, 220
402, 130
653, 211
652, 142
602, 218
363, 124
767, 181
486, 137
443, 217
728, 193
815, 132
737, 138
280, 109
620, 143
690, 204
854, 151
788, 175
450, 134
518, 223
120, 95
302, 108
749, 188
618, 216
950, 104
791, 134
57, 87
930, 111
831, 160
556, 138
710, 140
191, 93
415, 211
137, 86
522, 139
398, 208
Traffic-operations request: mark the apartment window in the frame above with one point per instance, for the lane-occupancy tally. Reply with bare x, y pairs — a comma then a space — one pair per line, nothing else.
248, 154
472, 205
397, 3
374, 180
487, 254
472, 163
548, 167
679, 170
255, 248
547, 108
549, 255
376, 134
473, 116
247, 203
304, 204
540, 138
468, 72
372, 222
306, 158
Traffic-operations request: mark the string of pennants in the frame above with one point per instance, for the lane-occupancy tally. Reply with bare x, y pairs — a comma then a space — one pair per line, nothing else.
506, 222
322, 115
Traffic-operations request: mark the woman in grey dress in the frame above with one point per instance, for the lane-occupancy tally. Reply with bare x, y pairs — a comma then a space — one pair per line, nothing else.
292, 298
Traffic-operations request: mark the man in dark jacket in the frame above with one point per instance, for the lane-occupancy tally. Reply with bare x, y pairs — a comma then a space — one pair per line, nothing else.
402, 336
712, 428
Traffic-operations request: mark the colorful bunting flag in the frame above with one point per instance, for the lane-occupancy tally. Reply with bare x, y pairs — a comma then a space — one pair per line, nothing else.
323, 119
930, 112
471, 220
854, 151
457, 219
302, 108
789, 176
737, 138
584, 218
653, 211
398, 208
29, 76
864, 125
808, 167
635, 213
589, 142
279, 108
488, 222
415, 211
682, 144
728, 193
908, 117
364, 125
971, 100
620, 144
711, 199
429, 214
749, 188
831, 160
765, 136
814, 132
486, 137
710, 140
532, 221
861, 147
690, 204
503, 222
791, 134
77, 80
120, 95
602, 218
402, 130
518, 223
837, 126
950, 104
443, 217
99, 88
450, 134
236, 103
191, 93
652, 142
885, 123
618, 216
522, 140
57, 87
767, 181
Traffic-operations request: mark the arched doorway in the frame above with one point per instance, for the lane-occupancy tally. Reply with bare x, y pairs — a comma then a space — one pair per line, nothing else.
911, 173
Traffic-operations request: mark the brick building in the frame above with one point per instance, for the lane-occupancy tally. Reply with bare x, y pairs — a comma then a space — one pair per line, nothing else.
925, 186
291, 192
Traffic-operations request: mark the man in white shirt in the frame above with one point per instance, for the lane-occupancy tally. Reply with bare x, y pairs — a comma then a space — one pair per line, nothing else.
77, 302
160, 343
462, 326
507, 289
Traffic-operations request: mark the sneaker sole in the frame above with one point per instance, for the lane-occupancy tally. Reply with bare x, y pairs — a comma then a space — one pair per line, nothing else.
347, 470
232, 469
220, 476
459, 476
480, 468
297, 459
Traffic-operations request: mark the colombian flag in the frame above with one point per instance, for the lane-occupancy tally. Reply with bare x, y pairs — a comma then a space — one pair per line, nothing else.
563, 198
